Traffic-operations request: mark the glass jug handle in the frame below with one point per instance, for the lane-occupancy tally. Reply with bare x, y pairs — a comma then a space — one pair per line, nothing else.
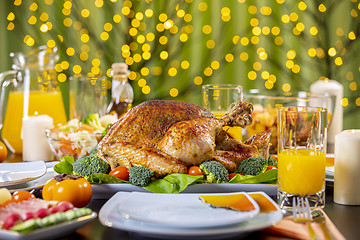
4, 84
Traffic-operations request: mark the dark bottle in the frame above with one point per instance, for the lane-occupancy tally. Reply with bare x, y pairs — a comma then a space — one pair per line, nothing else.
122, 93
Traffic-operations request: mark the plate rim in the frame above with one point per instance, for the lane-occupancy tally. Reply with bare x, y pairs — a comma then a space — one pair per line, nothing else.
42, 168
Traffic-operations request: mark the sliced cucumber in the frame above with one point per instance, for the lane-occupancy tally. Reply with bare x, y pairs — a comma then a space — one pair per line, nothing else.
59, 217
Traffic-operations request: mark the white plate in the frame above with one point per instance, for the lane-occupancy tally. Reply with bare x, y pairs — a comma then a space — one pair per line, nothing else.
185, 210
105, 191
51, 232
36, 183
16, 173
109, 216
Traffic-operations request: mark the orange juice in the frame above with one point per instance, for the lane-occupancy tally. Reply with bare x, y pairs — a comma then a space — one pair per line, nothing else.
301, 171
234, 131
49, 103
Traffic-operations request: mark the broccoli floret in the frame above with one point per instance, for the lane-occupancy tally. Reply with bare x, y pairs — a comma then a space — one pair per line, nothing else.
140, 175
252, 166
87, 165
214, 172
93, 120
272, 161
93, 151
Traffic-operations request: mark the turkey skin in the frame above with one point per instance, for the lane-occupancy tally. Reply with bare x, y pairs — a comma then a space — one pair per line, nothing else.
169, 136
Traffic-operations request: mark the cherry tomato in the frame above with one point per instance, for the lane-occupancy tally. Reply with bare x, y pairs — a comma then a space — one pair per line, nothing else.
270, 167
231, 175
22, 195
3, 152
195, 171
70, 188
120, 172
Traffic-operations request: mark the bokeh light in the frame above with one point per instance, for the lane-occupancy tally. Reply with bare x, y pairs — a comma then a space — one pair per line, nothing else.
272, 46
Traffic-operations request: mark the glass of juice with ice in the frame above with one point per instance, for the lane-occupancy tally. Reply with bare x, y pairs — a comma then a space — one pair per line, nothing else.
217, 99
302, 134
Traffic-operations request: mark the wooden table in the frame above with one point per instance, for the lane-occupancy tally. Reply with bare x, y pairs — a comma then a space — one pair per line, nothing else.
346, 218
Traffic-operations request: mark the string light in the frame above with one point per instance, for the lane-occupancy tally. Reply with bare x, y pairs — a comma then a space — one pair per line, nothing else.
155, 34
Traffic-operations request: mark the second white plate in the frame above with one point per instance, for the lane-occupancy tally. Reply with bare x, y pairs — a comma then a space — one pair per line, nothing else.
21, 172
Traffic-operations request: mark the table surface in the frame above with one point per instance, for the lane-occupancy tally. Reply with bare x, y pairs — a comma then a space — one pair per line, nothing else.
345, 218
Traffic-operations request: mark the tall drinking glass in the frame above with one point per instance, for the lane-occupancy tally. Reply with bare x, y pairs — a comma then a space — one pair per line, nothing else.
302, 133
218, 98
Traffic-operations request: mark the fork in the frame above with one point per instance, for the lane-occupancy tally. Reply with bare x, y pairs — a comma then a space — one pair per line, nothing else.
302, 214
318, 217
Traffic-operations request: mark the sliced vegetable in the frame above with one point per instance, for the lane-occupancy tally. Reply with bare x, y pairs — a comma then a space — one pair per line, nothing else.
59, 217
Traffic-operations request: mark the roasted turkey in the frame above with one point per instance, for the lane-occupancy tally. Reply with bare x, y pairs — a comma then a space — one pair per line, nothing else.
168, 136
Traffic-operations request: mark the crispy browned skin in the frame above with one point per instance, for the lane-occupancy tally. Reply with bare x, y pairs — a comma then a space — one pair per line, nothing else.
230, 152
149, 121
167, 136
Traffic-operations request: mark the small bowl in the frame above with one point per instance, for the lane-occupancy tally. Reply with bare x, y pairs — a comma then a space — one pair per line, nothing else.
74, 144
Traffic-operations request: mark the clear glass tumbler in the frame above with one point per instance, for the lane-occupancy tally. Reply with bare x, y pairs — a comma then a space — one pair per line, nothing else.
88, 95
302, 134
218, 98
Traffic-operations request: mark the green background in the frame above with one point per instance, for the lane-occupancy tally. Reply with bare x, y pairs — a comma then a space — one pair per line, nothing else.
153, 78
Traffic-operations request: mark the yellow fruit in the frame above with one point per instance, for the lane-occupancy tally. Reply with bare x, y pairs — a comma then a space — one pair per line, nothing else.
5, 195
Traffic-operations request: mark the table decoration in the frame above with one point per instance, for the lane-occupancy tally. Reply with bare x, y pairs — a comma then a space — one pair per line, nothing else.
347, 167
35, 145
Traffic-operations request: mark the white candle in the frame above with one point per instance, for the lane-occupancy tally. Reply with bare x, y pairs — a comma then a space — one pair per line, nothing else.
347, 167
332, 88
35, 144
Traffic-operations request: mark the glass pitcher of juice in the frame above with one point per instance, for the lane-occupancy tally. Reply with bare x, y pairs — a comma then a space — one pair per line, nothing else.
30, 89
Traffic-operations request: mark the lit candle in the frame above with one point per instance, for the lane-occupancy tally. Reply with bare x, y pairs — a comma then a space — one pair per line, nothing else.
347, 167
35, 144
332, 88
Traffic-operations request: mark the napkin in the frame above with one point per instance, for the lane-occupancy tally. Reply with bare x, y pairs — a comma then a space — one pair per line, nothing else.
287, 227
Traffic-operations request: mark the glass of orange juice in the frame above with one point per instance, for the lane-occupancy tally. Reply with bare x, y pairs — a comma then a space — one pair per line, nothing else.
218, 98
302, 133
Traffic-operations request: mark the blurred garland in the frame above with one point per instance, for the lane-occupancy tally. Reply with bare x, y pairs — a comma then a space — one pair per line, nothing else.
278, 46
